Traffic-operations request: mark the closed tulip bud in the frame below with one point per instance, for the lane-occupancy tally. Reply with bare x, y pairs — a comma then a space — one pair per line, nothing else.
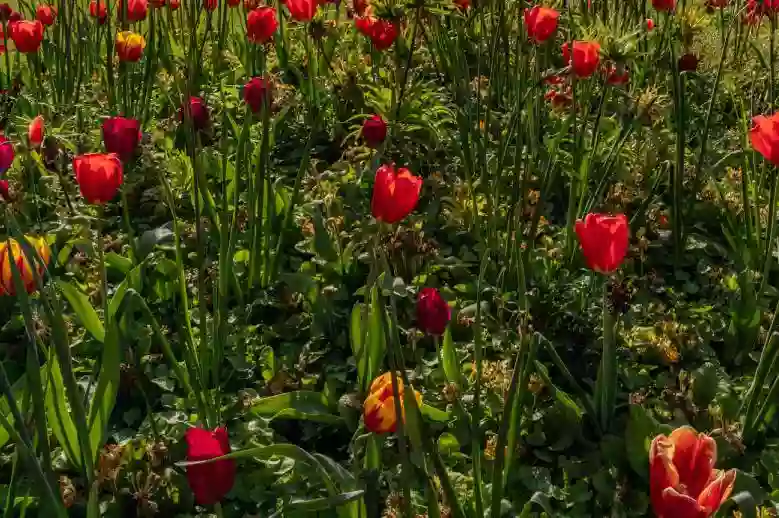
7, 154
27, 36
136, 10
261, 24
196, 112
664, 5
764, 136
584, 59
256, 93
129, 46
209, 482
604, 241
302, 10
379, 413
35, 131
46, 14
28, 266
99, 176
395, 193
650, 24
433, 313
374, 131
462, 5
98, 10
540, 23
682, 480
121, 136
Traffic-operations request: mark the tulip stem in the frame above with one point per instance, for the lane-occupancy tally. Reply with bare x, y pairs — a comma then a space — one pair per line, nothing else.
218, 510
606, 384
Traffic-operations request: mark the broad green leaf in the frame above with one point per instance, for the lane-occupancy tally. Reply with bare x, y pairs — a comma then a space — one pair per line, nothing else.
433, 414
83, 309
640, 431
450, 362
303, 404
105, 393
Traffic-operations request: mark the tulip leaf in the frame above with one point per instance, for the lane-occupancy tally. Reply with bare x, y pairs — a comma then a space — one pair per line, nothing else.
323, 244
321, 504
450, 362
83, 310
302, 404
58, 415
640, 431
105, 394
357, 335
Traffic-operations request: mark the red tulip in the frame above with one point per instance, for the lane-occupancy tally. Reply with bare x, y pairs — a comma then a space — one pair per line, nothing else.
158, 4
174, 4
7, 154
261, 24
433, 313
209, 482
5, 11
764, 136
753, 14
121, 136
98, 9
136, 10
604, 241
617, 75
27, 36
233, 3
541, 23
682, 480
650, 24
197, 111
374, 131
302, 10
257, 92
585, 59
364, 24
211, 5
688, 63
46, 14
395, 193
5, 191
664, 5
35, 131
129, 46
462, 5
383, 33
99, 176
250, 5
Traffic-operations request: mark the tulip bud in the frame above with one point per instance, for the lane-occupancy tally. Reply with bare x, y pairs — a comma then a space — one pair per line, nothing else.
256, 93
35, 132
433, 313
374, 131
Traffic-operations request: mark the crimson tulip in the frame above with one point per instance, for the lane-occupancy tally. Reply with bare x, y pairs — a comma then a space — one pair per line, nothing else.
664, 5
462, 5
209, 482
433, 313
682, 480
374, 131
46, 14
650, 24
197, 111
257, 92
35, 131
604, 241
383, 34
136, 9
99, 10
121, 136
302, 10
764, 136
233, 3
99, 176
688, 62
541, 23
261, 24
585, 58
7, 154
5, 190
129, 46
174, 4
395, 193
27, 35
211, 5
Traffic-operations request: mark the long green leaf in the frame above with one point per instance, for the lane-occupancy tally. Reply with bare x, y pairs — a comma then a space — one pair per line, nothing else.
83, 309
105, 393
302, 404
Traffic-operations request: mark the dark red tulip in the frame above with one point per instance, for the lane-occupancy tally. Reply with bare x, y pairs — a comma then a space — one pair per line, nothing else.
433, 313
121, 136
27, 36
196, 111
233, 3
174, 4
46, 14
7, 154
764, 136
209, 482
256, 93
99, 176
302, 10
374, 131
5, 11
585, 58
604, 241
688, 63
664, 5
395, 193
382, 33
99, 10
35, 131
540, 23
136, 9
261, 24
5, 191
211, 5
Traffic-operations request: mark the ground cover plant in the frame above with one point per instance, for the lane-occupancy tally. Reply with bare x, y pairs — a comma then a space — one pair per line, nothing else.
440, 258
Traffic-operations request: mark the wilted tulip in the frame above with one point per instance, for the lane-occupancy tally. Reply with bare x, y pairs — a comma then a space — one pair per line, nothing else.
121, 136
540, 23
585, 58
433, 313
99, 176
261, 24
35, 131
27, 36
46, 14
98, 9
682, 480
604, 241
379, 408
129, 46
6, 154
374, 131
764, 136
209, 482
12, 248
302, 10
395, 193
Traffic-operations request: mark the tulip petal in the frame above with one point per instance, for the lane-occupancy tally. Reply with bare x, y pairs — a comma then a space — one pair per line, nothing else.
717, 491
662, 472
694, 458
678, 505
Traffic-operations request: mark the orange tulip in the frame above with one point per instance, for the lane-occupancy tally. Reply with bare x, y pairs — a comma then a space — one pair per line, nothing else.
379, 408
35, 131
682, 480
13, 248
129, 46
